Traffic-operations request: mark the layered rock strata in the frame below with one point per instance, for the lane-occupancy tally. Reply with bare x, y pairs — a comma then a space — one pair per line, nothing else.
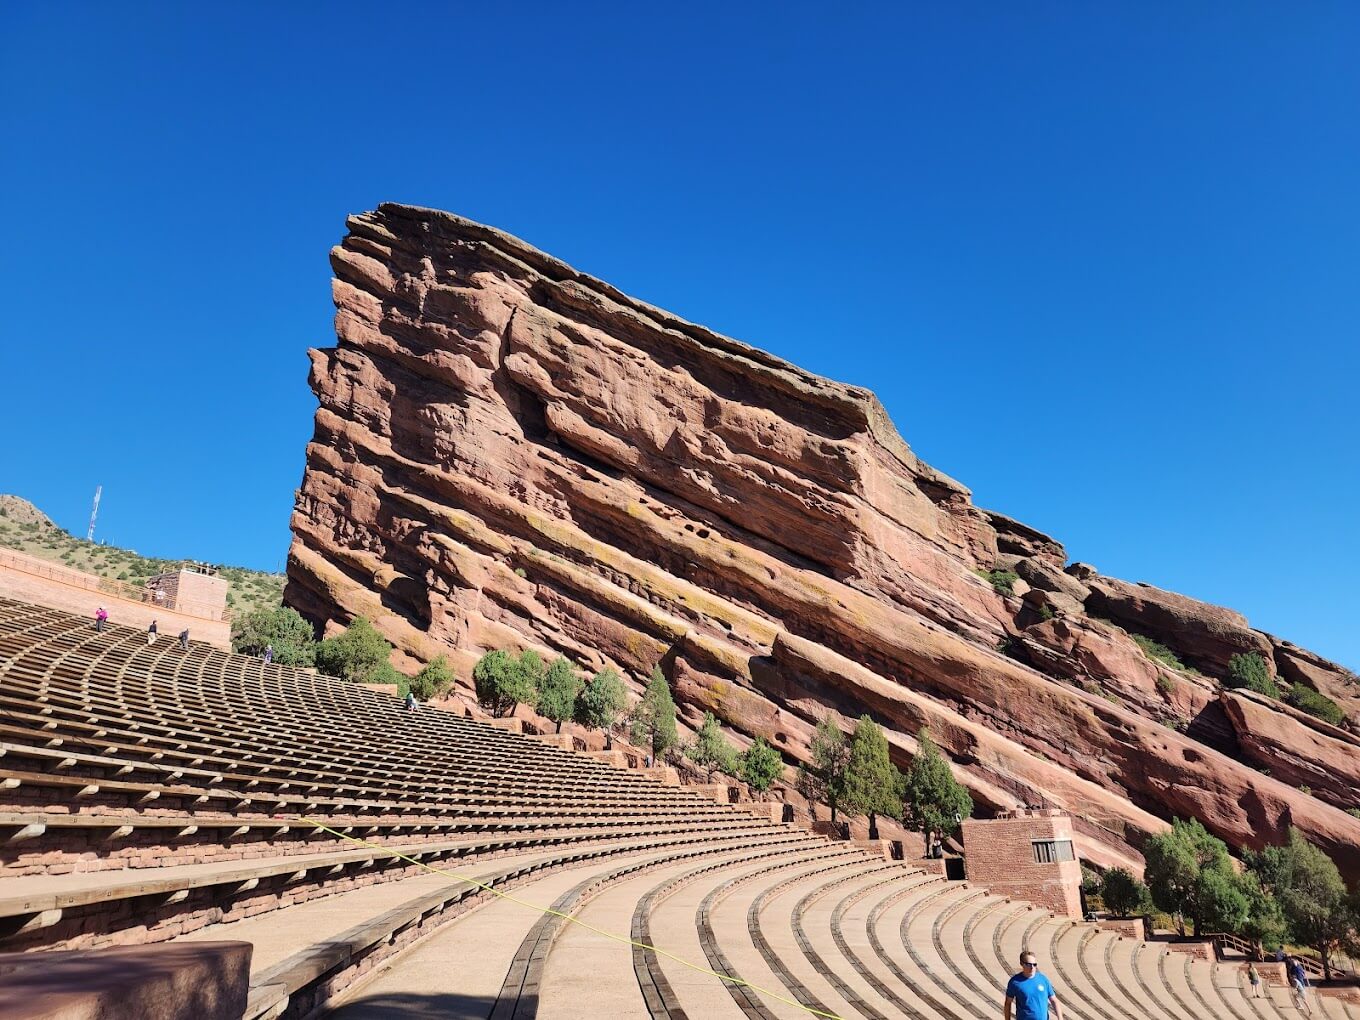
511, 453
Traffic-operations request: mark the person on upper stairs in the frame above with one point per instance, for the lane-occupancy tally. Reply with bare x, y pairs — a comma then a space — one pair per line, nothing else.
411, 702
1030, 994
1298, 981
184, 639
100, 616
151, 633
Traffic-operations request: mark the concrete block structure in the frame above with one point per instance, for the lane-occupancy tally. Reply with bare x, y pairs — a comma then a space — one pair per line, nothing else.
193, 588
1027, 854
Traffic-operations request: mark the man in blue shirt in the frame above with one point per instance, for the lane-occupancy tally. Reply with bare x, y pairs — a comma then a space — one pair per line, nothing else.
1030, 993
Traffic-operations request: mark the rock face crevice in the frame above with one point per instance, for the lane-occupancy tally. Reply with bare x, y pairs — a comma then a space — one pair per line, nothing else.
510, 453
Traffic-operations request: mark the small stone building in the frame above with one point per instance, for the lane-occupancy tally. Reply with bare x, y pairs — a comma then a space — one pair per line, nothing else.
194, 588
1029, 854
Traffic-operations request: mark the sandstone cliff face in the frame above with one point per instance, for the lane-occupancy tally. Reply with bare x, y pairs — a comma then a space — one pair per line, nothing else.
510, 453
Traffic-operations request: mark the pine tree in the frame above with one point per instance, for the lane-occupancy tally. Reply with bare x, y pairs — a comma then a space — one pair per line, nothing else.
601, 701
761, 765
933, 801
873, 786
710, 749
653, 721
557, 692
823, 778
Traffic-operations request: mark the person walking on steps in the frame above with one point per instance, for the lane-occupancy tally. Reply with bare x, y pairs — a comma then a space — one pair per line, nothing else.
1030, 994
100, 615
1254, 977
1298, 980
151, 633
184, 640
268, 654
411, 702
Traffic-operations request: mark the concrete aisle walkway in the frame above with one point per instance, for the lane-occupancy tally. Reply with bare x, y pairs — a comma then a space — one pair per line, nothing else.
776, 924
675, 926
590, 976
817, 921
280, 933
457, 973
729, 917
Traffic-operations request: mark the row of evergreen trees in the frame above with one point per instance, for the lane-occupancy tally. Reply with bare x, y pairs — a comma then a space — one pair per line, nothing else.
557, 692
1292, 893
854, 777
857, 777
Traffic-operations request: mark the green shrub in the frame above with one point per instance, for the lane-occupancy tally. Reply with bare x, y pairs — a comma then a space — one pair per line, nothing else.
1046, 612
1002, 580
1156, 650
1354, 812
1249, 670
710, 749
358, 655
557, 692
1123, 894
601, 701
434, 681
1316, 704
1165, 684
282, 627
761, 765
503, 681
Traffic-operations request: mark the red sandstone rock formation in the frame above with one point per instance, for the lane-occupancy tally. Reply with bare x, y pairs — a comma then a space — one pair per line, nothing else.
510, 453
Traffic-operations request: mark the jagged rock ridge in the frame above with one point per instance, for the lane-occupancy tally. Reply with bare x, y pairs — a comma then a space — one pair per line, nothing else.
509, 452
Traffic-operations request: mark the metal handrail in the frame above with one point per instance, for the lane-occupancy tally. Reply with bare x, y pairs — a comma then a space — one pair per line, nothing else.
1249, 948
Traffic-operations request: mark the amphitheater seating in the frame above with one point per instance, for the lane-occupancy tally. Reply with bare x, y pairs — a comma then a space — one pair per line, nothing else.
151, 794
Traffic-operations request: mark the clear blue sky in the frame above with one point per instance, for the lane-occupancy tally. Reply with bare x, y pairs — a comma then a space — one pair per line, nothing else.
1100, 264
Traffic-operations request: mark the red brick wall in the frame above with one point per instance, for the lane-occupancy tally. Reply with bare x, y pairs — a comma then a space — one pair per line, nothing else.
1000, 855
1129, 927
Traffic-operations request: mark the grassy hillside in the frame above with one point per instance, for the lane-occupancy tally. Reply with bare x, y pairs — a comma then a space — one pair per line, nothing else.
25, 528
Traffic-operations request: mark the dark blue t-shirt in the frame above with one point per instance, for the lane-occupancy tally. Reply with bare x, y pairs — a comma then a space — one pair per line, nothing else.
1031, 995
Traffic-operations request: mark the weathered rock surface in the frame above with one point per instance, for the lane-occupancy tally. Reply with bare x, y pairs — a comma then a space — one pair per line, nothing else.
1297, 748
510, 453
1205, 636
1300, 666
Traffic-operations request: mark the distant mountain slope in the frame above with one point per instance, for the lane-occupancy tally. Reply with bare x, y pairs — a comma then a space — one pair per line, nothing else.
27, 529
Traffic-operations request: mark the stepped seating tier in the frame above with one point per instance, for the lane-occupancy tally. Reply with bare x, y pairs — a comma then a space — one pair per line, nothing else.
153, 794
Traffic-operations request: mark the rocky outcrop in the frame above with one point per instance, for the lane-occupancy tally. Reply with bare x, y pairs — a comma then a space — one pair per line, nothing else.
1297, 748
1300, 666
1205, 636
510, 453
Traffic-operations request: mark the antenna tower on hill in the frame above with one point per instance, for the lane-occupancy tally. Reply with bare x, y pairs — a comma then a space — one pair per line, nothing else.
94, 512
